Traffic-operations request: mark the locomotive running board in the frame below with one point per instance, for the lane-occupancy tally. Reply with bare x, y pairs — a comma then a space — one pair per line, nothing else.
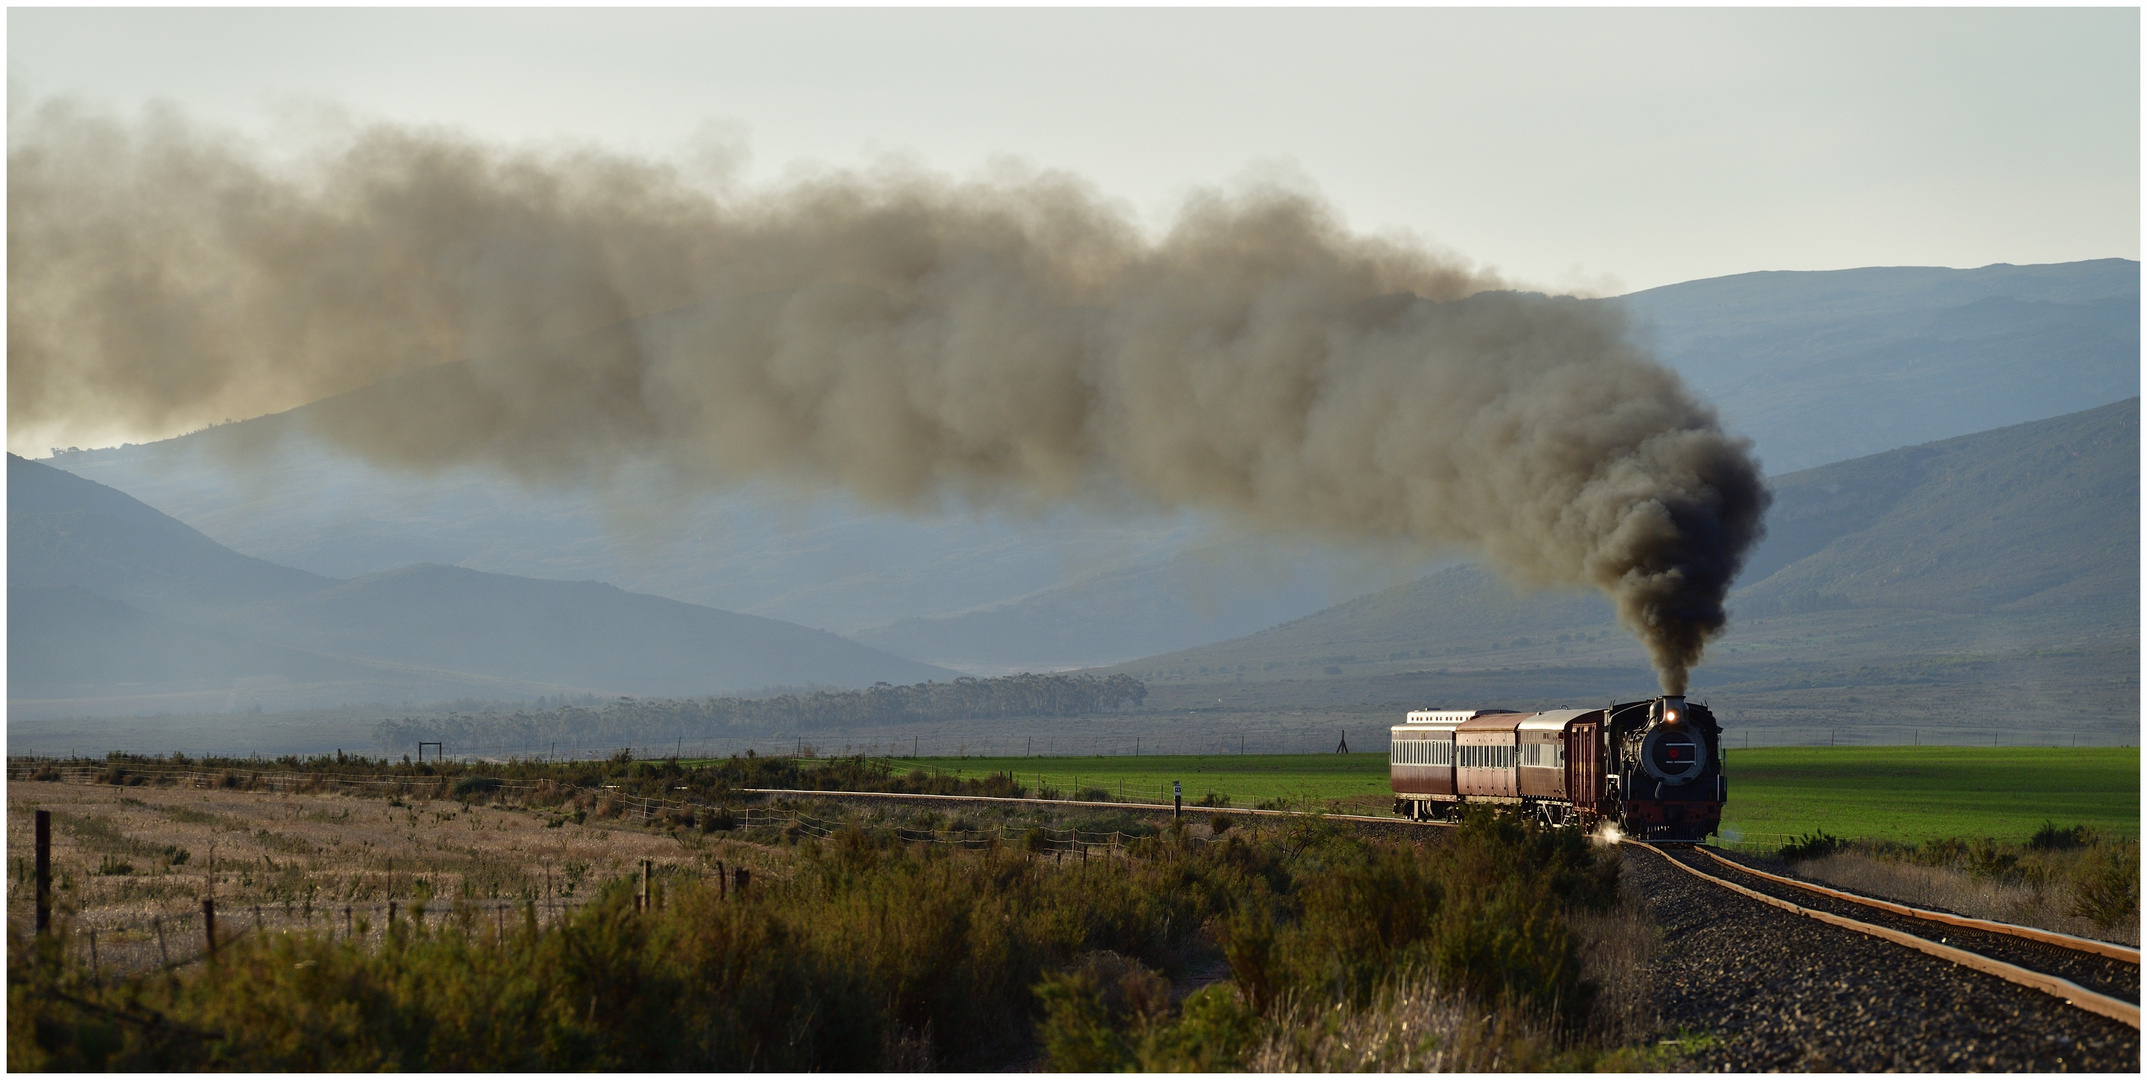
2065, 990
2048, 937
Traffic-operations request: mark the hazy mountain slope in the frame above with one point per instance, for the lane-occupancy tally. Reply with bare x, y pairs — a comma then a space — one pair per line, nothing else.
1823, 366
66, 641
1116, 615
109, 599
584, 634
2019, 541
1817, 367
63, 530
2026, 517
74, 653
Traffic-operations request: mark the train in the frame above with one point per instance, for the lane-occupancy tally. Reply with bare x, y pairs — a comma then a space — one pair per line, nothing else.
1651, 769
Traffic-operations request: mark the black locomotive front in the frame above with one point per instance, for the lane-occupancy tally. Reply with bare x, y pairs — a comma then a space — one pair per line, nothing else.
1666, 780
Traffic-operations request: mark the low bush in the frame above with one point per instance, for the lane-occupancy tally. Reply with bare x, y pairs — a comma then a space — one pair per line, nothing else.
862, 953
1339, 926
2107, 889
470, 786
1813, 845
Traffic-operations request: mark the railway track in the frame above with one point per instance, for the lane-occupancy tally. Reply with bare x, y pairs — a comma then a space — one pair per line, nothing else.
1146, 808
2094, 976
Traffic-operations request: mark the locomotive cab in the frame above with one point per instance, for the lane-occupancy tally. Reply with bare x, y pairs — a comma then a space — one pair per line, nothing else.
1667, 781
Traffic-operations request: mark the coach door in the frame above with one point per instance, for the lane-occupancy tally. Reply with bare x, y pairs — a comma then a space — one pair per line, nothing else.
1584, 763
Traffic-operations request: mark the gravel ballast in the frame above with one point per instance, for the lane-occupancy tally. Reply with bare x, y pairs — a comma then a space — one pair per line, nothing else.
1773, 990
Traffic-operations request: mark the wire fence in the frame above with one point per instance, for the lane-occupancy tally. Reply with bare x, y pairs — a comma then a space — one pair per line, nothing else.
120, 944
111, 944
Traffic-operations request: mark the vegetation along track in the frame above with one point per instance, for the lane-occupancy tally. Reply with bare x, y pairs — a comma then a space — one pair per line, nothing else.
1783, 989
1786, 985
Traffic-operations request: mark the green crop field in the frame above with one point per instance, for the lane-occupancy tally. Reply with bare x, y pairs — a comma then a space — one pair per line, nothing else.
1919, 793
1881, 792
1357, 782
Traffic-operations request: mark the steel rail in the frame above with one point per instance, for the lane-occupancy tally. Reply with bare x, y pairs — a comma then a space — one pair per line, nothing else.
1077, 802
2065, 990
2110, 949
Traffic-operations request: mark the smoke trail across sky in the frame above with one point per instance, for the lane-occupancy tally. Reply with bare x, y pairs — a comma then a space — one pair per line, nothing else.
893, 332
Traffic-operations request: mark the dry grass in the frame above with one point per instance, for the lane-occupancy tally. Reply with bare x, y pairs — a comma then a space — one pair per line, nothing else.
160, 850
2045, 904
1617, 953
1412, 1026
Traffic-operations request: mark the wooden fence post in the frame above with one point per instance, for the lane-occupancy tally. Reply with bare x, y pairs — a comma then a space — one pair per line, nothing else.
208, 922
744, 878
44, 870
646, 874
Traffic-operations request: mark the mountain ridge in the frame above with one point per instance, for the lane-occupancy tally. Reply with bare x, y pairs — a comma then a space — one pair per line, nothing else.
89, 566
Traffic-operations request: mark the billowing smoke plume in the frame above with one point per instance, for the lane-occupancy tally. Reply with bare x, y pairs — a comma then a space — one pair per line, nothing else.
892, 332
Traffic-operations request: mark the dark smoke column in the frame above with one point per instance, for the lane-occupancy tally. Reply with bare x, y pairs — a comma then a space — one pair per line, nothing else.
892, 332
1670, 568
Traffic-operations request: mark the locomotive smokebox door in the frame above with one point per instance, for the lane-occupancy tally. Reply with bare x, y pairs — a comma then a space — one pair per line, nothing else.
1674, 753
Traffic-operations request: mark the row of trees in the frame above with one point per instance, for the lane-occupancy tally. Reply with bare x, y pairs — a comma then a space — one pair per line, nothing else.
636, 721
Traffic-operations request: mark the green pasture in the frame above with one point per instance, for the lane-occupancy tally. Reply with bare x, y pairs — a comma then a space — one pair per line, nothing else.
1880, 792
1911, 793
1332, 781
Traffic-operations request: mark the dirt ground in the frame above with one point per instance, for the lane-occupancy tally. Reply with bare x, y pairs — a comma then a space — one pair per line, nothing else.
134, 863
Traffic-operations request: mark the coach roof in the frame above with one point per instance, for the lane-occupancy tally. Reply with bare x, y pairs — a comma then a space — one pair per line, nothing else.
1555, 720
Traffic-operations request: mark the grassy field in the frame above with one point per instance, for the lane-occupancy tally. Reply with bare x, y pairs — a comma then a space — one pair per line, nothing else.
1357, 782
1909, 793
1878, 792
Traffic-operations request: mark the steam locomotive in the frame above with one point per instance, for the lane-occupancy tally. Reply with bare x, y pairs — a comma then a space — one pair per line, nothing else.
1652, 768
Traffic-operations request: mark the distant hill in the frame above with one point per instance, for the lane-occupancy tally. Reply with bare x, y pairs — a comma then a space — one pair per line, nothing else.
1983, 570
2034, 517
1817, 367
109, 599
63, 530
583, 634
65, 641
1821, 366
1114, 615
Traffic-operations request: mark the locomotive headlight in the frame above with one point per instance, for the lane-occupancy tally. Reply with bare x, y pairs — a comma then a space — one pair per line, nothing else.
1670, 717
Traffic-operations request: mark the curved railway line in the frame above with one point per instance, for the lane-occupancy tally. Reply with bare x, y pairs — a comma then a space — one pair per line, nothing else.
2099, 977
2055, 964
1804, 976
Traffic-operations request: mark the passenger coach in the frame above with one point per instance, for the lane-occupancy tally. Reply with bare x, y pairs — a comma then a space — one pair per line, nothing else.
1653, 768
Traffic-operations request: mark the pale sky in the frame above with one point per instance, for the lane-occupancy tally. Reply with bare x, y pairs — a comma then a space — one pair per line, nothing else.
1597, 150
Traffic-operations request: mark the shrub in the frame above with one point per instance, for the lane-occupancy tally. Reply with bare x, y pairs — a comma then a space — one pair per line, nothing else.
2051, 838
1813, 845
2108, 889
476, 785
865, 954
